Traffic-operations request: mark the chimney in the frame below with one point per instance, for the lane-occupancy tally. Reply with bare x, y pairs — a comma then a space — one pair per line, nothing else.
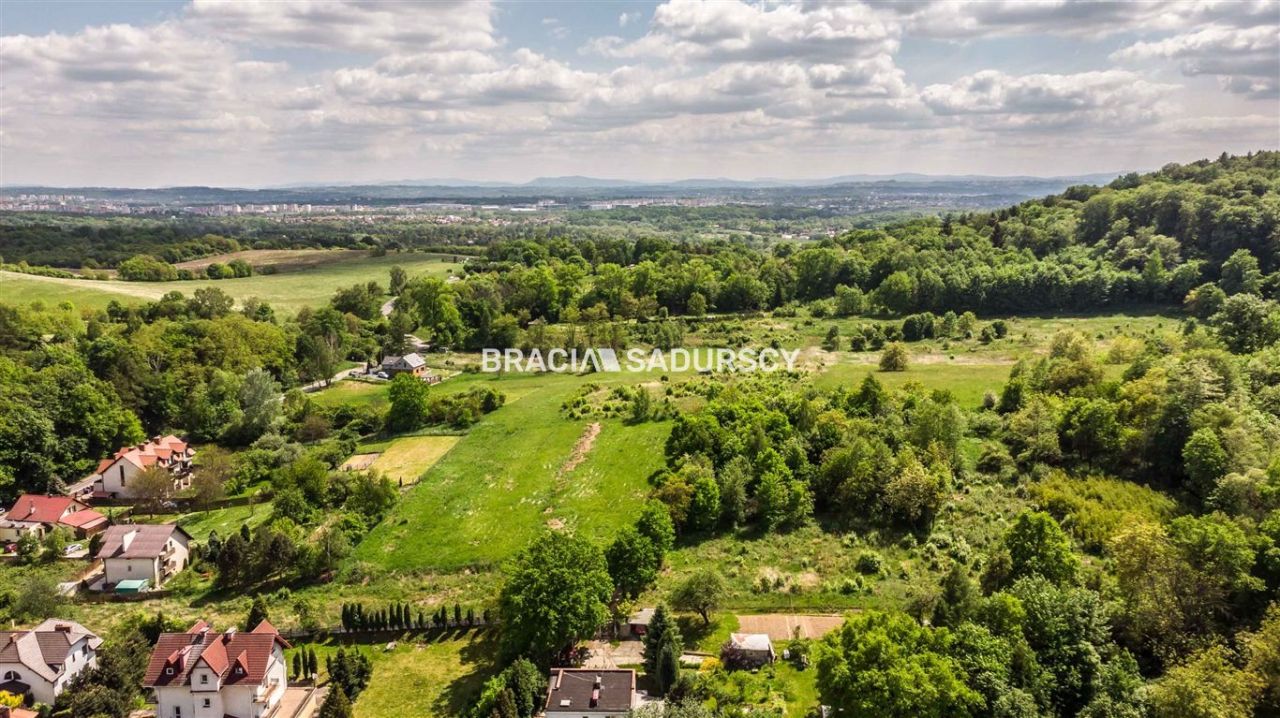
229, 634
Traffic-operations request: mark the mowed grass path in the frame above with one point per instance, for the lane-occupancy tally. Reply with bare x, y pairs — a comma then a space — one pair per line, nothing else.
502, 484
286, 291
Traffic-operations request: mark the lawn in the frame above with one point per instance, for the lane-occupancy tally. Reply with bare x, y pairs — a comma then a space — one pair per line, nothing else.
423, 676
286, 291
225, 521
354, 393
518, 471
407, 459
433, 679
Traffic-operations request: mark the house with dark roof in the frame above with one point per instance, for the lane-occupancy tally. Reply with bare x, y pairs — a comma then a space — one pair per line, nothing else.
591, 693
49, 512
114, 476
40, 662
408, 364
230, 674
153, 553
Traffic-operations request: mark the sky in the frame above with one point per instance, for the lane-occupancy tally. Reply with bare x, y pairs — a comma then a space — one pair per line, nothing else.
249, 94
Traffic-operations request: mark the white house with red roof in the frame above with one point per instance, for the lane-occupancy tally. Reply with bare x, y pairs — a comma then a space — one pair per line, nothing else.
39, 663
48, 513
204, 674
113, 476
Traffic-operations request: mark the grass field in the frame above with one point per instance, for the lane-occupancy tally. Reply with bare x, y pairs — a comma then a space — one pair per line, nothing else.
433, 676
287, 291
407, 459
967, 382
283, 260
505, 481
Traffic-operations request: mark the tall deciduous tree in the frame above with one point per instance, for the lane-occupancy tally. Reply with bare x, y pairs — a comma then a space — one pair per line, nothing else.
885, 665
702, 592
556, 592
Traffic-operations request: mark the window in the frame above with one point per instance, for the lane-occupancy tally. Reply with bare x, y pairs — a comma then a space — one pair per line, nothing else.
177, 712
12, 676
168, 671
204, 678
206, 702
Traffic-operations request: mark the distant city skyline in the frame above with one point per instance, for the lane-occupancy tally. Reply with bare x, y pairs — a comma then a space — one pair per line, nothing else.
253, 94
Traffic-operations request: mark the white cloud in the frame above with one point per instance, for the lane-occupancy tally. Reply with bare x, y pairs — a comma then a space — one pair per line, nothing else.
963, 19
205, 96
1247, 60
692, 30
364, 26
1113, 97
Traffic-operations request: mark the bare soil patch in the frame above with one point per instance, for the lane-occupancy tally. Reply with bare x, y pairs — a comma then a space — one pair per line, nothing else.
582, 448
359, 462
783, 626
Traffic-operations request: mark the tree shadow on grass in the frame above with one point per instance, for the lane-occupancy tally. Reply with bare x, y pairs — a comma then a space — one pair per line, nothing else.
479, 657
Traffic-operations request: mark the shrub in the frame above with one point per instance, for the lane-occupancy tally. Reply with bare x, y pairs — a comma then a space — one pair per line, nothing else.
894, 358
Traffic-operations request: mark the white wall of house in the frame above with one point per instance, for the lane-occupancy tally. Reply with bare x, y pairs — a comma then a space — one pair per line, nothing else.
118, 478
41, 689
127, 569
182, 702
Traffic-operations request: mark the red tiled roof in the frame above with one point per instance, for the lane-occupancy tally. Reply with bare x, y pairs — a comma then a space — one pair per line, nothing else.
182, 651
42, 509
83, 519
144, 455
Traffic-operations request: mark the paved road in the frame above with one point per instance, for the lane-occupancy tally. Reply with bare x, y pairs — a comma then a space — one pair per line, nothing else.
387, 306
318, 385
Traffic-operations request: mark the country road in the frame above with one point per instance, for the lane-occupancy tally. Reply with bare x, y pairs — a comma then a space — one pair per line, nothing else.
320, 384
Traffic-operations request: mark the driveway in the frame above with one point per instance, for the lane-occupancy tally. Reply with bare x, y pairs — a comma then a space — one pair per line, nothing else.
300, 702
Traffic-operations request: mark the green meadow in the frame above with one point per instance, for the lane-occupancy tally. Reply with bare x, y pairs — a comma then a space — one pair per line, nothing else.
521, 470
286, 291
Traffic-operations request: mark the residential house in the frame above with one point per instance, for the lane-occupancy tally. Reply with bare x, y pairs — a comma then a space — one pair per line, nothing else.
153, 553
13, 531
40, 662
51, 512
204, 674
638, 623
7, 712
591, 693
114, 476
408, 364
747, 650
